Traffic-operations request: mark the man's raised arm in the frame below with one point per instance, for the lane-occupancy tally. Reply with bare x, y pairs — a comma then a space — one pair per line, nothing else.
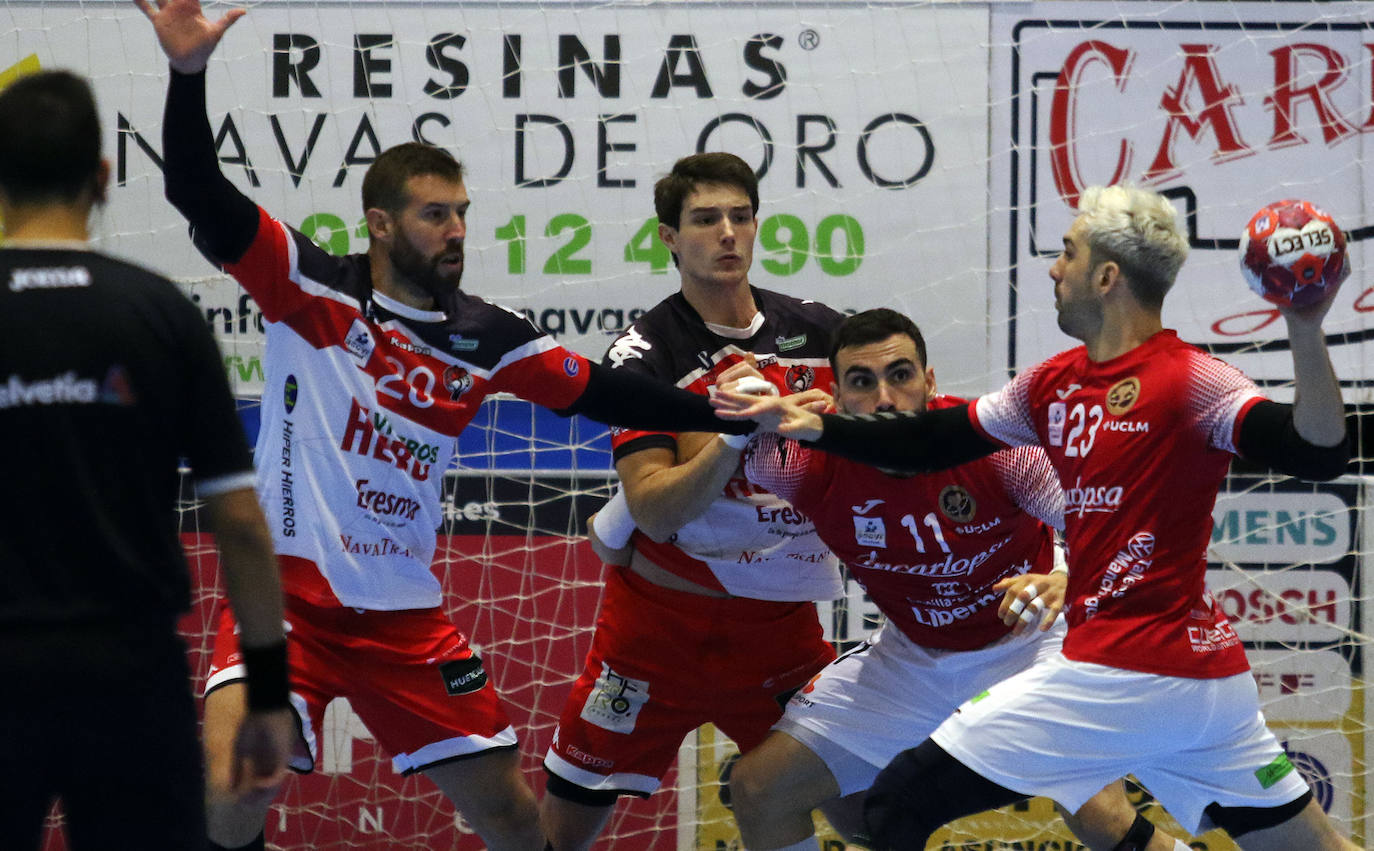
223, 221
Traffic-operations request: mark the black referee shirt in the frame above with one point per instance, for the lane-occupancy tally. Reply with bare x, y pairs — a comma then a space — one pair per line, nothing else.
108, 379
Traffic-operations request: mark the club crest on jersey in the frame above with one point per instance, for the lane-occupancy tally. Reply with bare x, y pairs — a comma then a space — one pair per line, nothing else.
800, 377
957, 504
457, 381
1121, 398
359, 342
289, 393
870, 532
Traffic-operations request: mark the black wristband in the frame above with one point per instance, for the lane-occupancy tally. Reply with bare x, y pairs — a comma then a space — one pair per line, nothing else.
268, 685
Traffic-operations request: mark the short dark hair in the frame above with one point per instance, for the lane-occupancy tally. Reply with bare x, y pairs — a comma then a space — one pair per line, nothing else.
671, 191
384, 185
873, 326
49, 138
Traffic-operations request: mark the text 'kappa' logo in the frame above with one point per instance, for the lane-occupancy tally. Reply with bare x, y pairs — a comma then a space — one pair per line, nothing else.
1123, 395
957, 503
628, 346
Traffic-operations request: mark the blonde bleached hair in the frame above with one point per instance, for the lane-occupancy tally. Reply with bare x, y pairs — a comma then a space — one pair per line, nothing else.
1139, 231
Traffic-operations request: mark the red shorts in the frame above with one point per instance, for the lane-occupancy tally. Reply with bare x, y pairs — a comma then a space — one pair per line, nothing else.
665, 662
409, 675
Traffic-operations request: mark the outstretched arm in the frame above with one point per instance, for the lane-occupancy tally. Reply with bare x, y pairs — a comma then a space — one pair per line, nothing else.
664, 489
223, 221
623, 398
908, 442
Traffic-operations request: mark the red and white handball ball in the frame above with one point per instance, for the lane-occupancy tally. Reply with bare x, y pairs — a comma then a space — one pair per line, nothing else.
1293, 253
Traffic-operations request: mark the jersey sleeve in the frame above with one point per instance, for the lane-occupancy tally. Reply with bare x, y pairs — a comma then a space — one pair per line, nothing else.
1219, 396
777, 464
628, 353
536, 368
1031, 483
281, 269
1005, 415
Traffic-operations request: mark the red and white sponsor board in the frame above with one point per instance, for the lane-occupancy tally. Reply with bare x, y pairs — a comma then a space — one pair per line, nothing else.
1225, 107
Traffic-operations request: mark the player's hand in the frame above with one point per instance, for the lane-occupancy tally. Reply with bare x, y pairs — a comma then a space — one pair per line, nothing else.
815, 400
781, 414
1031, 598
186, 35
264, 743
747, 368
1308, 317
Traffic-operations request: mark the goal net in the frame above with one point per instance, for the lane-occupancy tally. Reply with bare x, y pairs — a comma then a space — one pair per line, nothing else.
911, 155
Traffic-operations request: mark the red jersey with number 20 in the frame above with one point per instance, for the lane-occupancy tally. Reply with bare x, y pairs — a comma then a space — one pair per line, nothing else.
926, 548
362, 405
1141, 444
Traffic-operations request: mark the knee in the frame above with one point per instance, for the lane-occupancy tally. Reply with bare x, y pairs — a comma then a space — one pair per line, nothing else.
898, 812
753, 790
1106, 822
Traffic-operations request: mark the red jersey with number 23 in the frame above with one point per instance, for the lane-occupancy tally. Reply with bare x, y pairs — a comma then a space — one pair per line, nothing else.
1141, 444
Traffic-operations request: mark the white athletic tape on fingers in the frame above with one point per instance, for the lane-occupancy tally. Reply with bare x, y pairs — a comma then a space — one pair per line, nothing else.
754, 386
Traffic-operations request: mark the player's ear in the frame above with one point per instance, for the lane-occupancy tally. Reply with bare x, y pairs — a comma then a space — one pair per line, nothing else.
380, 223
1106, 276
668, 235
100, 184
930, 381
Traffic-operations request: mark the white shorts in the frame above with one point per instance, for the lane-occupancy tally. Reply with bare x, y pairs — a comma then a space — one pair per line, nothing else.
889, 694
1065, 729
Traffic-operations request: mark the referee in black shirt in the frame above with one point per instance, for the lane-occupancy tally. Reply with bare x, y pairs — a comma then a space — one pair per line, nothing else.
109, 378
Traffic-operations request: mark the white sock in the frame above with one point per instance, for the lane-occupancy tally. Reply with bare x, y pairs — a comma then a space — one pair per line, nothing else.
1180, 845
